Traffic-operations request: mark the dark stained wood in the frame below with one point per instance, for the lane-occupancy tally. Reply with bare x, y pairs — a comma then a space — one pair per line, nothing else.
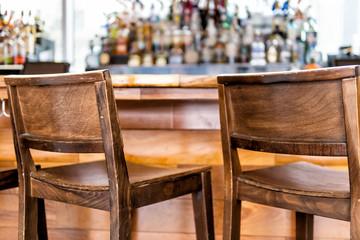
53, 79
45, 67
78, 113
259, 110
232, 168
8, 180
286, 146
65, 145
291, 76
304, 226
312, 112
300, 178
351, 94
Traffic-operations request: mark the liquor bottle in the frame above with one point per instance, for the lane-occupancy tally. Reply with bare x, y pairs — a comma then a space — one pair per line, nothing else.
176, 55
219, 52
92, 59
272, 53
161, 59
310, 40
196, 29
312, 65
147, 59
278, 18
258, 50
134, 58
38, 32
187, 10
156, 38
8, 48
104, 58
160, 42
1, 50
121, 47
207, 54
285, 54
233, 44
140, 38
292, 30
19, 51
248, 37
28, 39
191, 56
211, 32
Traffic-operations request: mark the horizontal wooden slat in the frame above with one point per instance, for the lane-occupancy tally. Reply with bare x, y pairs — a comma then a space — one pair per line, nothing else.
62, 144
288, 76
178, 94
318, 206
204, 81
54, 79
146, 80
286, 146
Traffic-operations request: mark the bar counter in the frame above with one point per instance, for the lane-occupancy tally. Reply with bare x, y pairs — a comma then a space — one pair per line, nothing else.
166, 120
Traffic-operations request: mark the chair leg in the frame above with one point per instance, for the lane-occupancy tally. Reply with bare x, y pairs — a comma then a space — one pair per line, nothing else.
27, 228
120, 224
232, 216
203, 209
42, 228
355, 220
304, 226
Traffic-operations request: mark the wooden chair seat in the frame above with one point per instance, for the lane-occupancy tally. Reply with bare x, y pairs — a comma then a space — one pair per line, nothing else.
312, 113
77, 113
300, 178
8, 178
93, 176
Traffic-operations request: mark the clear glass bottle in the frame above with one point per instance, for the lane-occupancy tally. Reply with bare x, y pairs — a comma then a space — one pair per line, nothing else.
258, 50
8, 49
19, 51
92, 59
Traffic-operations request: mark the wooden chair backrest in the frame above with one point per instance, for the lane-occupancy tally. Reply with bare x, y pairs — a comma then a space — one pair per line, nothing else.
346, 61
73, 113
45, 67
287, 112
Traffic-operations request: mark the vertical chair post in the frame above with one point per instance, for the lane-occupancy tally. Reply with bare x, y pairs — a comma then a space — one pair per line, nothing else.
304, 226
203, 209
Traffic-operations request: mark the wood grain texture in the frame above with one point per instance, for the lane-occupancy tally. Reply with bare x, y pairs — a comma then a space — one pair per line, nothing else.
300, 178
55, 79
45, 67
65, 118
291, 76
169, 114
287, 146
146, 80
60, 111
67, 220
311, 112
304, 226
198, 81
64, 220
351, 95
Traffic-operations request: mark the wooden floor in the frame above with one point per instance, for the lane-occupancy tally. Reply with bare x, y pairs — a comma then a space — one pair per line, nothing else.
172, 219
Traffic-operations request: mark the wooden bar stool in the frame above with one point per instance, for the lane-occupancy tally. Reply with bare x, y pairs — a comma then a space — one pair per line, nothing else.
45, 67
77, 113
312, 112
8, 180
